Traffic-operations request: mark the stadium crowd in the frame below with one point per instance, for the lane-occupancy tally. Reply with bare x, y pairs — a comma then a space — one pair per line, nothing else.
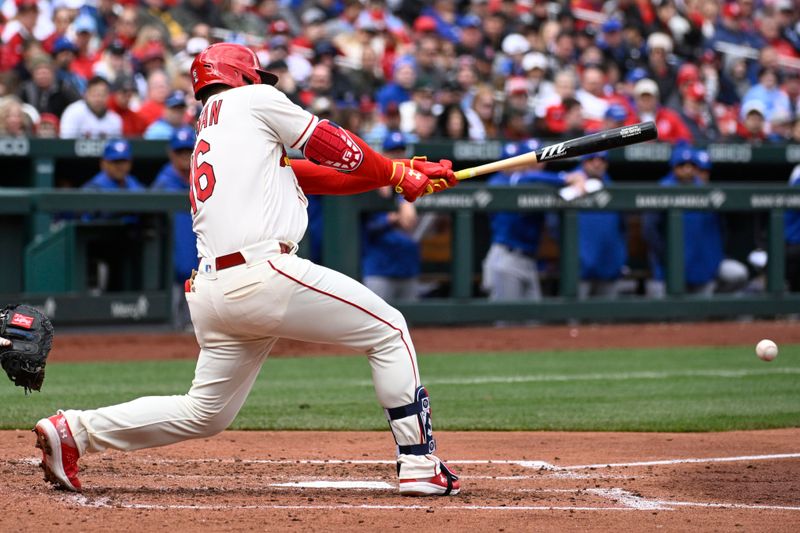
705, 70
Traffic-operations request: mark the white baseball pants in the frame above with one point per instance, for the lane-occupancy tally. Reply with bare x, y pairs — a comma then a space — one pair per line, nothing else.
238, 315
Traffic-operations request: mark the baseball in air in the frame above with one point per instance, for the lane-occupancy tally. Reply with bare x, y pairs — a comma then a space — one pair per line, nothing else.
766, 350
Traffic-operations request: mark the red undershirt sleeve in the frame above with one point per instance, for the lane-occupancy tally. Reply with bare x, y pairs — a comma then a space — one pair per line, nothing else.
373, 172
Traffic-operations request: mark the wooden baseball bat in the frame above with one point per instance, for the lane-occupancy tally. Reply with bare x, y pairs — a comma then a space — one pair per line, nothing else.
596, 142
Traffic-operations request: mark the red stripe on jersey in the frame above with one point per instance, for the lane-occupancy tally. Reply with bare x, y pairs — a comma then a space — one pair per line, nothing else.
373, 315
310, 122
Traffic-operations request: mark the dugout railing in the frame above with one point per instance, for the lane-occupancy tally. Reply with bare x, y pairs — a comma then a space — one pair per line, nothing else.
40, 252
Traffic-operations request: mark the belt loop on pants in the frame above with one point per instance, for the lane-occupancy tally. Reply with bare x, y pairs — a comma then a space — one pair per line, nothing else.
237, 258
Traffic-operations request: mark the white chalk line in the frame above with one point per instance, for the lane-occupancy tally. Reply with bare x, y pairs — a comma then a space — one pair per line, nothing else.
628, 501
609, 376
771, 457
537, 465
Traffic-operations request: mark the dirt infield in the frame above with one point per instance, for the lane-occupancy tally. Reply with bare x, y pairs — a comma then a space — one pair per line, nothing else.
344, 481
324, 481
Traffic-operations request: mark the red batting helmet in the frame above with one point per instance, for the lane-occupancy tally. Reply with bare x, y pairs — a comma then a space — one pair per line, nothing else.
228, 64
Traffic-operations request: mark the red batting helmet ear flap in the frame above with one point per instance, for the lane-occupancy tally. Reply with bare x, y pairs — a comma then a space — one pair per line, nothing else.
228, 64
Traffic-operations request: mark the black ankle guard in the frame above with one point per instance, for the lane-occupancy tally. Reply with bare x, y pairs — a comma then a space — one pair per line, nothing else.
422, 409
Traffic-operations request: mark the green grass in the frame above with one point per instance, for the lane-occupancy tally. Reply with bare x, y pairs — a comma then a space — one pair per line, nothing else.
688, 389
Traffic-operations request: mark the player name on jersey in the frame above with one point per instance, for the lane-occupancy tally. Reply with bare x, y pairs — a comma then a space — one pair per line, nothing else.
210, 115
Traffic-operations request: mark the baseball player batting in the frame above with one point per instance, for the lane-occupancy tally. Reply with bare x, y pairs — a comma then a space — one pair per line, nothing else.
249, 212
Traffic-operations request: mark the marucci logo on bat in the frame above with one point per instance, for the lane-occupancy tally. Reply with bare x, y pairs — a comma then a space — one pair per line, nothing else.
549, 152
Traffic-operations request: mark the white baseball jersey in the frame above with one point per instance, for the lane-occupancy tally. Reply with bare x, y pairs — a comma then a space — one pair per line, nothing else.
244, 192
243, 189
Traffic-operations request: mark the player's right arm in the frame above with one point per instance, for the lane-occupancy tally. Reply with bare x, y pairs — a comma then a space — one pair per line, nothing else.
357, 167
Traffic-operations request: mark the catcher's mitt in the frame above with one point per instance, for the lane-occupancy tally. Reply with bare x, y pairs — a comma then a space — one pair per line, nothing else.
31, 336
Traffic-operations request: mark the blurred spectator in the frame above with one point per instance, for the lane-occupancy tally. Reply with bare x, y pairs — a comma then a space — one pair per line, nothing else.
670, 126
734, 28
659, 48
452, 123
517, 116
695, 113
158, 89
483, 115
325, 53
792, 237
160, 15
47, 127
703, 253
388, 120
791, 86
390, 258
86, 43
240, 19
563, 53
780, 127
43, 91
429, 71
113, 62
123, 102
174, 176
64, 53
299, 66
540, 88
768, 92
422, 97
616, 116
90, 117
565, 119
514, 48
190, 13
753, 126
565, 83
14, 122
592, 95
173, 118
399, 89
425, 125
286, 83
62, 19
17, 32
126, 25
602, 241
149, 56
612, 43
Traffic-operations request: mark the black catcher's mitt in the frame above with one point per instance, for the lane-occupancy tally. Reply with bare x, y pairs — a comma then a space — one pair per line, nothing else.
31, 336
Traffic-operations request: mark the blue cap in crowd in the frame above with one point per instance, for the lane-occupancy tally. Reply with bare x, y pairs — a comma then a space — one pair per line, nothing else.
702, 159
616, 112
635, 75
182, 139
176, 99
595, 155
63, 43
85, 23
612, 25
117, 150
681, 155
394, 141
470, 20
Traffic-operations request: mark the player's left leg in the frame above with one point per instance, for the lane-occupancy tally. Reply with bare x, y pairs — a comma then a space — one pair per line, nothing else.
329, 307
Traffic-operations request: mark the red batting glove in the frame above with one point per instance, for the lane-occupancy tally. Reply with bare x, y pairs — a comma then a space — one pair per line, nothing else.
409, 182
440, 174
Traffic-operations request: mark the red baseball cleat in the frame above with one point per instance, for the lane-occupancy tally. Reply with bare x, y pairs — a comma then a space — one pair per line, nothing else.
59, 452
444, 484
